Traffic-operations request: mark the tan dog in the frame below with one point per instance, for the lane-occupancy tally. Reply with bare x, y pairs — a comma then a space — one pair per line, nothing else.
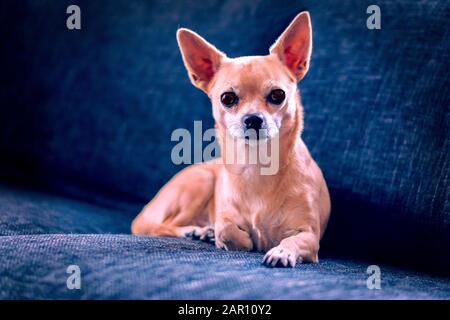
284, 214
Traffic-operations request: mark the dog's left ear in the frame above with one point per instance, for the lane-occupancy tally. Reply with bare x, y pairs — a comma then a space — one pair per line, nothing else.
294, 45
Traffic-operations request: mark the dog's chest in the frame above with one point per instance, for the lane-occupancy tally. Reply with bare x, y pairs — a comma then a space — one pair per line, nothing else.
266, 227
258, 210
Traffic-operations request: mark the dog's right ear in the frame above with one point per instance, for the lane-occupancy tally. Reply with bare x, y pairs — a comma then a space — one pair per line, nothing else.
202, 59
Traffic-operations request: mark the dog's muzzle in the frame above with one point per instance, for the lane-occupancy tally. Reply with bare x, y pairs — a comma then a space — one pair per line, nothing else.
254, 126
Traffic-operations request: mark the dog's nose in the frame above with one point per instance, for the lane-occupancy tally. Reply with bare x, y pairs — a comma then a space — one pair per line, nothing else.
253, 121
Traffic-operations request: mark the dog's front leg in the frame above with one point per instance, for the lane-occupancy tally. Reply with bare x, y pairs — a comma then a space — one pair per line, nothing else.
303, 246
232, 236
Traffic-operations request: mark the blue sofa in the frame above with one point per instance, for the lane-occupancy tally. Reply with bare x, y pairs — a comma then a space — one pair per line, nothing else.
85, 123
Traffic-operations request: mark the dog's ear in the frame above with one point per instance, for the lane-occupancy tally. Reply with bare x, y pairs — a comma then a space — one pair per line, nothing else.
294, 45
202, 59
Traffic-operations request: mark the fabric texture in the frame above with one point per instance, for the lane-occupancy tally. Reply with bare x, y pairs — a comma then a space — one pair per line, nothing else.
25, 212
86, 118
127, 267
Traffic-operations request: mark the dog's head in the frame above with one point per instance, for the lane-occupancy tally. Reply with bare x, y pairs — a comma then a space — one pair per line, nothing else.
256, 94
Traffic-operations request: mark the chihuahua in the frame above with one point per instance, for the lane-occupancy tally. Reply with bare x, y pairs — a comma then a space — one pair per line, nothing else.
283, 214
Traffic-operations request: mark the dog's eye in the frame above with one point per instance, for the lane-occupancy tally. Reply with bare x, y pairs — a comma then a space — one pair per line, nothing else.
228, 99
276, 96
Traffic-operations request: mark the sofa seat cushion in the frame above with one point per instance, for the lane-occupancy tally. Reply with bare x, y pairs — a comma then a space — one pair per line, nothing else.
28, 212
129, 267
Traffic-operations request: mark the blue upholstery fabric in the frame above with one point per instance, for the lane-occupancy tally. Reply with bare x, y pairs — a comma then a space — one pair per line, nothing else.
88, 115
24, 212
127, 267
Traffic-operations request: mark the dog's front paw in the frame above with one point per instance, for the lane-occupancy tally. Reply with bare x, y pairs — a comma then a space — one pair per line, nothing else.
204, 234
280, 257
208, 235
